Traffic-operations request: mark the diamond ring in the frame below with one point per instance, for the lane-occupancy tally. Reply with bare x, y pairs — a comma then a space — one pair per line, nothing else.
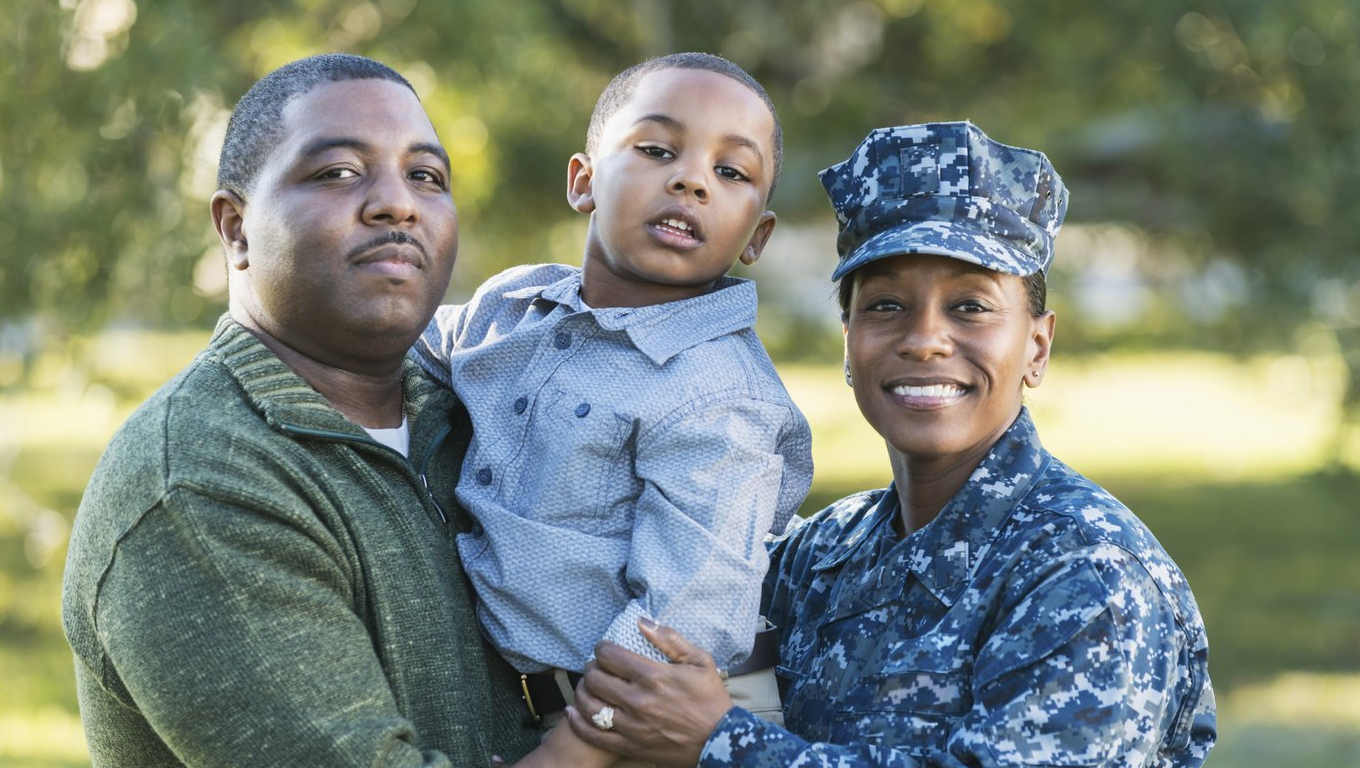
604, 719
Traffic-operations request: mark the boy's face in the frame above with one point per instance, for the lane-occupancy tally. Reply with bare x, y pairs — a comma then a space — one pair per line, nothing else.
676, 189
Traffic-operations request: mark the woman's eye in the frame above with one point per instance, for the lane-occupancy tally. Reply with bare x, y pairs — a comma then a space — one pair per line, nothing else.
883, 305
971, 306
728, 172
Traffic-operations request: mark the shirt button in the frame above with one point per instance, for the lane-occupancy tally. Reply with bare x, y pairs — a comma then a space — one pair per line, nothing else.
476, 529
582, 410
484, 476
562, 340
521, 404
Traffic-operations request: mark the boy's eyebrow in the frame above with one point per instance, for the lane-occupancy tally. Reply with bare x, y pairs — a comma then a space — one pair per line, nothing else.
731, 138
324, 144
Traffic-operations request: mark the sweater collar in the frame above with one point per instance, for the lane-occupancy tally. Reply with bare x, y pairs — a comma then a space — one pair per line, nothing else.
286, 400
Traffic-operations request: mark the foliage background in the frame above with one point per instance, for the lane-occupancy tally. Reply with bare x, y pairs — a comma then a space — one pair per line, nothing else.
1208, 281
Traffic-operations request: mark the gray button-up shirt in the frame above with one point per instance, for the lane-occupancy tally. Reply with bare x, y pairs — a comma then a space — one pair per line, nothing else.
625, 463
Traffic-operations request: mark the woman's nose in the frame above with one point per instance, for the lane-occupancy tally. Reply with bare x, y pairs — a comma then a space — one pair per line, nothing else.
925, 334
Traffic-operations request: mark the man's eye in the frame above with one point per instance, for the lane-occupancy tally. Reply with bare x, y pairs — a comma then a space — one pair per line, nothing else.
337, 173
883, 305
658, 152
971, 306
428, 177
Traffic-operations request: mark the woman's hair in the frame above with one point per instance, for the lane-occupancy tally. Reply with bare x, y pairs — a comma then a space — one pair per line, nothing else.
1036, 291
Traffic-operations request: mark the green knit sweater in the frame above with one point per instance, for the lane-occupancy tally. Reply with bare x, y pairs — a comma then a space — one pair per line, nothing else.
253, 581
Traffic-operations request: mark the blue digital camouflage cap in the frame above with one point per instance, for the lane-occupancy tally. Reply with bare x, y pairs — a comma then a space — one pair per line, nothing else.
946, 189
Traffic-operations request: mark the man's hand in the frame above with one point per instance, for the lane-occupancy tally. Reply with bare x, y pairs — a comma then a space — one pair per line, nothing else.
663, 713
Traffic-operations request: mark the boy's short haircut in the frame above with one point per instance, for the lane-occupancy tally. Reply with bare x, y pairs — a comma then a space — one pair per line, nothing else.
621, 89
256, 124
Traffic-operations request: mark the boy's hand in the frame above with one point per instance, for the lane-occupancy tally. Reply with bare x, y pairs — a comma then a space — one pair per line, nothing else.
663, 713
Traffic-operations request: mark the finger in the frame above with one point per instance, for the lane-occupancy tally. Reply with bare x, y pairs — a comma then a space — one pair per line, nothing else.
587, 731
598, 687
621, 662
674, 645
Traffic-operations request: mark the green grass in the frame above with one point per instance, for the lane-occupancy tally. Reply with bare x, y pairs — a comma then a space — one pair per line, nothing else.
1222, 466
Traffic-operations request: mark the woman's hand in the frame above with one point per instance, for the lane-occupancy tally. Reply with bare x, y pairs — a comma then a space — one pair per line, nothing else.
663, 713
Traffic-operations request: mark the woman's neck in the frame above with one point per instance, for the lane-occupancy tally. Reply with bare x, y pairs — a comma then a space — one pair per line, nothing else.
926, 484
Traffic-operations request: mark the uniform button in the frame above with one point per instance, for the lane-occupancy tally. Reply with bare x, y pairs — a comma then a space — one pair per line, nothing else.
484, 476
582, 410
562, 340
476, 529
521, 404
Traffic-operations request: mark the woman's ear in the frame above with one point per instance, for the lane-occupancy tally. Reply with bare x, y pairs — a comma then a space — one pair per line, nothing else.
228, 215
1040, 345
580, 191
753, 249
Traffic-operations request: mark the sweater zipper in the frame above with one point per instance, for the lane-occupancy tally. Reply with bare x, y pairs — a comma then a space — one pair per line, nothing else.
424, 465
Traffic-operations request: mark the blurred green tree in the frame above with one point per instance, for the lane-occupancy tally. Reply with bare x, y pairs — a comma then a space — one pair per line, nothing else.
1225, 133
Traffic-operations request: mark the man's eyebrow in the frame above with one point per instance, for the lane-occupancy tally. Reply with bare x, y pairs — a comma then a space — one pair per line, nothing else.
731, 138
341, 142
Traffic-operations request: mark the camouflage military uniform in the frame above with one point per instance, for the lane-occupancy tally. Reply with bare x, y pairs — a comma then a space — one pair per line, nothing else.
1036, 621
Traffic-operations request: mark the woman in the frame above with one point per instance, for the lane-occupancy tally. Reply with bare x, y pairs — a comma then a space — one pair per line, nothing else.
992, 606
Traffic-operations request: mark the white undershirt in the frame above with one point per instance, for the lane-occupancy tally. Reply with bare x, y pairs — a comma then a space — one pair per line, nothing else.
396, 438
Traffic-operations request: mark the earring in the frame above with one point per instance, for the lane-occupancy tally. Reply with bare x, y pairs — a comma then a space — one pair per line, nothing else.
848, 381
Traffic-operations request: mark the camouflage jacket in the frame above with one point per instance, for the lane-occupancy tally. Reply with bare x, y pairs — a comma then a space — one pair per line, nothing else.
1035, 621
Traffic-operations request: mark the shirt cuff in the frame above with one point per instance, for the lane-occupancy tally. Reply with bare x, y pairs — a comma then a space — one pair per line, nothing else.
742, 739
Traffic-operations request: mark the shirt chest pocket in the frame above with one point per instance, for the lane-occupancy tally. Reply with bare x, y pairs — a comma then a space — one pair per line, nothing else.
577, 470
904, 708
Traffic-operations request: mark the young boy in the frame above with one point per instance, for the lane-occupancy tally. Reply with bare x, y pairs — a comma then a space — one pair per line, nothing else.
632, 443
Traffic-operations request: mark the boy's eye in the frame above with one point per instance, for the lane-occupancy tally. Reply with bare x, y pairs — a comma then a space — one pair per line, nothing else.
728, 172
654, 151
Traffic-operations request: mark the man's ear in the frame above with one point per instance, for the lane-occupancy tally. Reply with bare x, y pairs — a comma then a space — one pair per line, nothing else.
580, 174
228, 215
764, 229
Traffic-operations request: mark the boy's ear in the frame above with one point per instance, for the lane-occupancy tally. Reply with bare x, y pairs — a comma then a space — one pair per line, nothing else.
228, 215
580, 173
764, 228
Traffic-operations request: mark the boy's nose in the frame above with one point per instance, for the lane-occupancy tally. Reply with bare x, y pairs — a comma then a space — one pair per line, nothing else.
688, 181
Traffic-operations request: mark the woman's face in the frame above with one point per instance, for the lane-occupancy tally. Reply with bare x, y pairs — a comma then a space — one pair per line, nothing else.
938, 350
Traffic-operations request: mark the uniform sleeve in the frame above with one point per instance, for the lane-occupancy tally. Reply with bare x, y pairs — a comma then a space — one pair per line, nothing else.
1085, 670
716, 478
216, 608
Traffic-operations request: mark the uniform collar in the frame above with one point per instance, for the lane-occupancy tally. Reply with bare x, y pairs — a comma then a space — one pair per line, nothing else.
661, 331
945, 552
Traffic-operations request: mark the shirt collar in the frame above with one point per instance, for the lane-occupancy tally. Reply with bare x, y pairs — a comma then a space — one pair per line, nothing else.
944, 553
661, 331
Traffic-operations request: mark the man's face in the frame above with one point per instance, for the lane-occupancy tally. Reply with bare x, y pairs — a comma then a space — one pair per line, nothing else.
349, 236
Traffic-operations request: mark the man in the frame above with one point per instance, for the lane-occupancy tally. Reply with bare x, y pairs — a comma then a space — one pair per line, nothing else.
258, 574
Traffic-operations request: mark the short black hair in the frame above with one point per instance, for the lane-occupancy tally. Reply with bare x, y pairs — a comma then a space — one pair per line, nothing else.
624, 84
1036, 293
256, 124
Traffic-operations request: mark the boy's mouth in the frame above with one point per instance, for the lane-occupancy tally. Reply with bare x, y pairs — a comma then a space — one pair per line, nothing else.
677, 227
